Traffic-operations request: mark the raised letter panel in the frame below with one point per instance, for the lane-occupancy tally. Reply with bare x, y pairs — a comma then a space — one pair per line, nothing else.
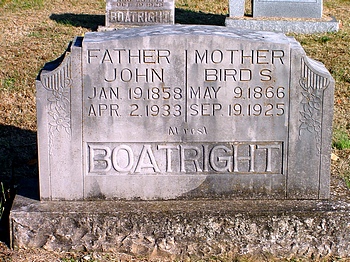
135, 12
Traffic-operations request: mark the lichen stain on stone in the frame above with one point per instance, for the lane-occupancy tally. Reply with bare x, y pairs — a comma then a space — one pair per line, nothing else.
95, 192
230, 190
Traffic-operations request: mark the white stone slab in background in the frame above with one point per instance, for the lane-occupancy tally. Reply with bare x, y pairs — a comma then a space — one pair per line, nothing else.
287, 8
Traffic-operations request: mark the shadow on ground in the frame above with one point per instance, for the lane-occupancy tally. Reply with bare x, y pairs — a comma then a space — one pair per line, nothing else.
19, 169
189, 17
88, 21
92, 22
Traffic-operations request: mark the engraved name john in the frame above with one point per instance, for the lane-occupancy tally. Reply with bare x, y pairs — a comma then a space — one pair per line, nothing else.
199, 158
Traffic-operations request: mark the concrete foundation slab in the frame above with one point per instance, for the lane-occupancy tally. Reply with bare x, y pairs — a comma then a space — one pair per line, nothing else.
284, 26
182, 229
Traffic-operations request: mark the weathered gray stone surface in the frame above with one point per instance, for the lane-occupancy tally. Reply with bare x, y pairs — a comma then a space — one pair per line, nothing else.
184, 112
284, 26
237, 8
139, 12
182, 229
287, 8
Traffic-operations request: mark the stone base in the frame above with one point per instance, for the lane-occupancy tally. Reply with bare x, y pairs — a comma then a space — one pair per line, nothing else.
117, 27
182, 229
285, 26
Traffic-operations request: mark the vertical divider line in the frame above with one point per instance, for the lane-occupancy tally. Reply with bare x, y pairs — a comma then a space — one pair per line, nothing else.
292, 64
186, 82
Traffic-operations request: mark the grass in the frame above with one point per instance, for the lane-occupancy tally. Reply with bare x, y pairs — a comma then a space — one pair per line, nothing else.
341, 140
8, 84
346, 177
3, 198
34, 32
19, 4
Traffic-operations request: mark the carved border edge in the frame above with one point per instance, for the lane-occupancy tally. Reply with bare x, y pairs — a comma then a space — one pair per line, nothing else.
59, 82
313, 85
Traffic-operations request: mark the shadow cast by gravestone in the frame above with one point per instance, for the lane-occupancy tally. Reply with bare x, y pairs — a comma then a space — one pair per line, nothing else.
88, 21
183, 16
19, 161
19, 169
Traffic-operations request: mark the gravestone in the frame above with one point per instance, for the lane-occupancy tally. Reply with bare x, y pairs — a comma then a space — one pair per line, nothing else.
204, 117
184, 112
286, 16
139, 12
237, 8
287, 8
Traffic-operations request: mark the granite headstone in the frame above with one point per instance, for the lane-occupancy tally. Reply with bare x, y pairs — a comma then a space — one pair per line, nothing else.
237, 8
184, 112
287, 8
285, 16
139, 12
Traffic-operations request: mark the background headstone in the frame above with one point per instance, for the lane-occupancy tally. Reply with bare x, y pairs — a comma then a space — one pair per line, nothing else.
237, 8
184, 112
139, 12
287, 8
286, 16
